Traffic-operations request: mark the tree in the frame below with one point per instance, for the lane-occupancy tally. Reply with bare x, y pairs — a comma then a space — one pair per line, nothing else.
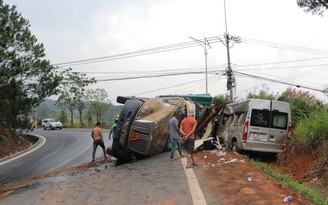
63, 116
26, 78
221, 100
302, 103
314, 6
263, 93
98, 102
71, 92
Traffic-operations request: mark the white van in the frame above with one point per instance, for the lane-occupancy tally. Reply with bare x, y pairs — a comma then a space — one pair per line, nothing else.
255, 125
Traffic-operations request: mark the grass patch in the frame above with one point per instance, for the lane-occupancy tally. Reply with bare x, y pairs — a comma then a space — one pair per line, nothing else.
287, 181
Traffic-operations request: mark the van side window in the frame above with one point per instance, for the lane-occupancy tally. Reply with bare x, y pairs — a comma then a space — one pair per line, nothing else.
241, 118
230, 120
224, 120
279, 120
260, 118
235, 119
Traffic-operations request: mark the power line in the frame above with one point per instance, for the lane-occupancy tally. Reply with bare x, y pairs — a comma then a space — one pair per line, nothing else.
172, 86
284, 46
189, 44
283, 62
307, 73
284, 67
131, 71
278, 81
133, 54
155, 75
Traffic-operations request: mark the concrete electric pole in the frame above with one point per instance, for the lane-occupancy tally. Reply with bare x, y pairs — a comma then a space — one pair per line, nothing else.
231, 83
205, 44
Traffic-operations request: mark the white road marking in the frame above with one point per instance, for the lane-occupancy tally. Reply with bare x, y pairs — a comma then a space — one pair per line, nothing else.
195, 190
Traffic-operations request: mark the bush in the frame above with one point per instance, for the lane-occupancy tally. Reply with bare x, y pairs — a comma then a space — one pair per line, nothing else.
313, 130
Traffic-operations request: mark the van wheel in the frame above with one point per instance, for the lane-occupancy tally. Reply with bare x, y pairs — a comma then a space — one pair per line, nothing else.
235, 148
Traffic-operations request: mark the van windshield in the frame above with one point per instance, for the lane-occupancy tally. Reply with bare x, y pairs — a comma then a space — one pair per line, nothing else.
261, 118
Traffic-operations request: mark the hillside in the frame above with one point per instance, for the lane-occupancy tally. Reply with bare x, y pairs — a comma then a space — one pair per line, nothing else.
48, 109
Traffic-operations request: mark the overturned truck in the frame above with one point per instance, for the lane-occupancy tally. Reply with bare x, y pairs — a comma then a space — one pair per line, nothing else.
142, 127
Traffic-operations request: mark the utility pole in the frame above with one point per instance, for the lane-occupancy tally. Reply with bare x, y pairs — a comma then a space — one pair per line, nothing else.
227, 38
230, 78
204, 44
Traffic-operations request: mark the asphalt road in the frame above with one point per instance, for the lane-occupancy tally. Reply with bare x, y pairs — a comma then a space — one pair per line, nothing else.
155, 180
62, 149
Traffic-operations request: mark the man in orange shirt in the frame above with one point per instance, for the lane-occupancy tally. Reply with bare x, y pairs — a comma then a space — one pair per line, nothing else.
97, 136
187, 128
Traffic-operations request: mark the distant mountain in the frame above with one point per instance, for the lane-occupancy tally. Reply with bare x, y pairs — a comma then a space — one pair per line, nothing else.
48, 109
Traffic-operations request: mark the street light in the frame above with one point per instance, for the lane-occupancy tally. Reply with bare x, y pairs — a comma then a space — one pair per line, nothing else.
203, 44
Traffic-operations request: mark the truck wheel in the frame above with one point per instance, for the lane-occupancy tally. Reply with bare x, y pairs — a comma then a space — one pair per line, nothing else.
121, 99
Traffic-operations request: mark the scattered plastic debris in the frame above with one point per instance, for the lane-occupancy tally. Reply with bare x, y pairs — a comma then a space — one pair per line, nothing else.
231, 161
220, 153
234, 160
288, 198
249, 179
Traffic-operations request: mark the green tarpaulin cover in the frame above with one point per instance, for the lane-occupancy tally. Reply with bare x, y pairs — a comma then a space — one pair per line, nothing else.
203, 99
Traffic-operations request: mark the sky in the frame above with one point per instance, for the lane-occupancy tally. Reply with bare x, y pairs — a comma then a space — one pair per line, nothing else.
281, 45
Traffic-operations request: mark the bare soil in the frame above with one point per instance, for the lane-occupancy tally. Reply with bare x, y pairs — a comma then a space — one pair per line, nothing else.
11, 144
232, 178
235, 180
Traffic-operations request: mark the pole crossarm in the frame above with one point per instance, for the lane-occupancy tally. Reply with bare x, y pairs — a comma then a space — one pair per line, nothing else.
203, 43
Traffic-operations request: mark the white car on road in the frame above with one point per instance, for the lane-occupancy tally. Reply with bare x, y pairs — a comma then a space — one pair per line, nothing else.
51, 123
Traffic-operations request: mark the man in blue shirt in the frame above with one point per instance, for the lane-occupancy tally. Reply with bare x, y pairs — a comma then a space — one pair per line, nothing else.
112, 130
174, 135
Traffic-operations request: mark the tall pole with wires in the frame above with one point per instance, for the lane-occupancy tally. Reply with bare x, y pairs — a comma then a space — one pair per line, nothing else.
230, 80
227, 38
205, 44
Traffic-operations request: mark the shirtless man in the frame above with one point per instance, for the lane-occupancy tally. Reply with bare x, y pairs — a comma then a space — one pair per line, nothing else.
97, 136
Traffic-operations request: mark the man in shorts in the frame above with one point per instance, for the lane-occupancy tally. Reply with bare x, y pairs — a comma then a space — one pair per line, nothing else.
187, 129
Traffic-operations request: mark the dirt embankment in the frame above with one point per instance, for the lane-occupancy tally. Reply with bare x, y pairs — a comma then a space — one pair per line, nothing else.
237, 181
11, 144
